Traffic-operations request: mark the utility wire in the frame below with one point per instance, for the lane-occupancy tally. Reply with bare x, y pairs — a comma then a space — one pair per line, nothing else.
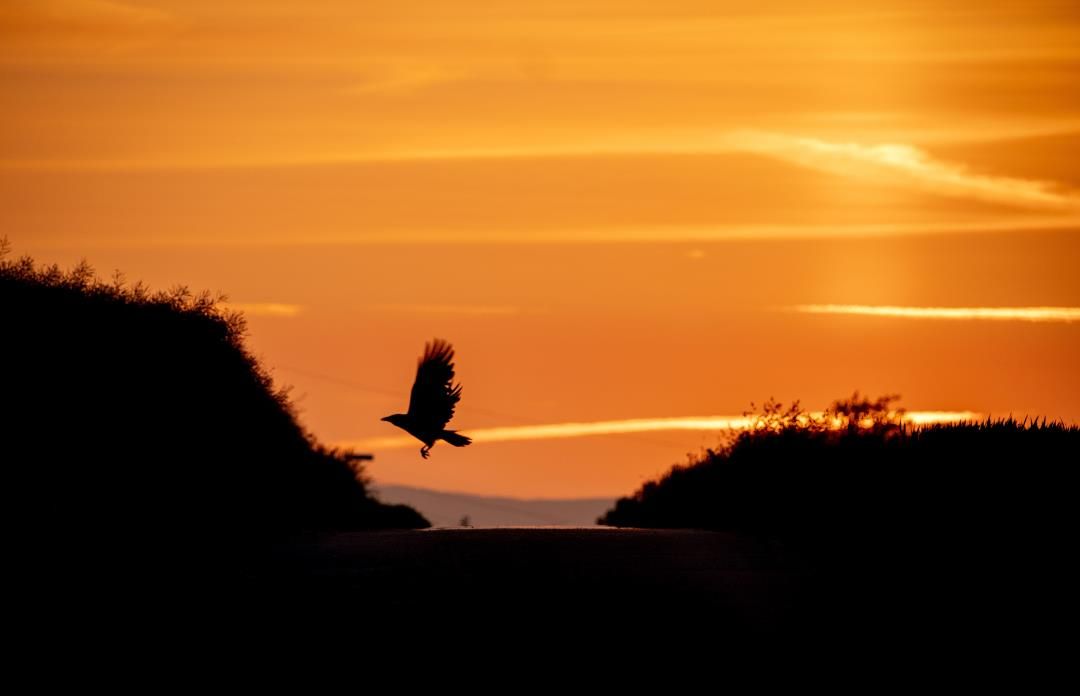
397, 395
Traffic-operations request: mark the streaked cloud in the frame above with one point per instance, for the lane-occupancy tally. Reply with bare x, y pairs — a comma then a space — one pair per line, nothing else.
906, 164
1031, 314
265, 309
551, 431
477, 310
78, 32
64, 25
402, 78
578, 235
86, 12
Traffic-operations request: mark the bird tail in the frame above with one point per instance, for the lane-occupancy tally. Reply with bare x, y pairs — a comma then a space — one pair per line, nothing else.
455, 438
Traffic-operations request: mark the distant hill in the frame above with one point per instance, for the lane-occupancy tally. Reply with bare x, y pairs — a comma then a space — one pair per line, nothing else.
128, 415
448, 509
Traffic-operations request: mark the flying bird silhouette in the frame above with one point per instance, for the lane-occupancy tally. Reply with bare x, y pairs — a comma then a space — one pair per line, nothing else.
431, 404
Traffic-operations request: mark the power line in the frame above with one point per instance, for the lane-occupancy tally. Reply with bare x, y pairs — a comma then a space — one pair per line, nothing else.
397, 395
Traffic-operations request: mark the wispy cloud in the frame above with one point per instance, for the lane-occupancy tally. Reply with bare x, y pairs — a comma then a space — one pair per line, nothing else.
101, 10
100, 15
908, 165
551, 431
265, 309
1032, 314
403, 78
477, 310
894, 164
578, 235
79, 32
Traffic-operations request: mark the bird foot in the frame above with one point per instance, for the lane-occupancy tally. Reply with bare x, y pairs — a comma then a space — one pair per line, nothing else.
424, 452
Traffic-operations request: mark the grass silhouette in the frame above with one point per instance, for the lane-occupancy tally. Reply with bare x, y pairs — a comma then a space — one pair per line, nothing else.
930, 536
858, 471
136, 414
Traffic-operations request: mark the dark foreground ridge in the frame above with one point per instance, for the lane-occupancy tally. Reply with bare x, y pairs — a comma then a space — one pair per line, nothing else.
860, 471
923, 535
134, 416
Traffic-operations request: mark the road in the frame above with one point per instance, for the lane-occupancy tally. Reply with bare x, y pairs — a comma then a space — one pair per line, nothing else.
547, 577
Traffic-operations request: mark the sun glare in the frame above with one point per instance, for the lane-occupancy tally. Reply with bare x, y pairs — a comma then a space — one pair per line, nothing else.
1033, 314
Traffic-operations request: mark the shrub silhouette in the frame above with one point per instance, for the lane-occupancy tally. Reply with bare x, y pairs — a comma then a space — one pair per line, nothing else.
133, 414
858, 472
902, 536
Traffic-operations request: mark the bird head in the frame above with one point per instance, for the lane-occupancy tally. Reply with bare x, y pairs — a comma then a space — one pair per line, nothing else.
396, 418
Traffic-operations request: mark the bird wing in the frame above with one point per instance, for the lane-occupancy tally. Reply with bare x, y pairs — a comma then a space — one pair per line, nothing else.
434, 395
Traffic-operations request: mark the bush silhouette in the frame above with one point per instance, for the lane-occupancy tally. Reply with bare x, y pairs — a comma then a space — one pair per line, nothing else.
858, 472
131, 414
902, 536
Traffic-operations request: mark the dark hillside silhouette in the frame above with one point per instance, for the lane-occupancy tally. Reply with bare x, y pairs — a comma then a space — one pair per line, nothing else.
860, 471
930, 536
132, 414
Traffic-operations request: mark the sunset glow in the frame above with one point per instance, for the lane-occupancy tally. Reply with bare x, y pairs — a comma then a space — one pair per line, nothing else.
1038, 314
640, 425
610, 208
264, 309
905, 165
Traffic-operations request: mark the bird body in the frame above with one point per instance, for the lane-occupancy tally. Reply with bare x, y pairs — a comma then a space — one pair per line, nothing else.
432, 401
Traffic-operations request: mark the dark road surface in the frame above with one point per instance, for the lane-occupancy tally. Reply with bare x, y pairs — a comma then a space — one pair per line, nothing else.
546, 576
598, 586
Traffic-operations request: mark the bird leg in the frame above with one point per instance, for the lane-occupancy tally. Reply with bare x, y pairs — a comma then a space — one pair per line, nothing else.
424, 451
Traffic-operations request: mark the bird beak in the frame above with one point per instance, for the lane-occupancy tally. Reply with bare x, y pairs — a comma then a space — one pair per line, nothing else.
385, 419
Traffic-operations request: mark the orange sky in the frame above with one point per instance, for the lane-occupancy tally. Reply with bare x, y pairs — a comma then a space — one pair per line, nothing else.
614, 210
